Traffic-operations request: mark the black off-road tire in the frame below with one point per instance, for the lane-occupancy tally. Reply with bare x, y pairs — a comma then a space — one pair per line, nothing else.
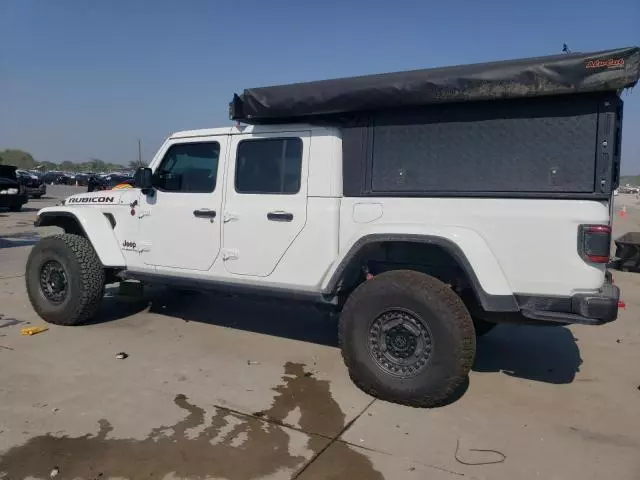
15, 208
85, 278
482, 327
451, 332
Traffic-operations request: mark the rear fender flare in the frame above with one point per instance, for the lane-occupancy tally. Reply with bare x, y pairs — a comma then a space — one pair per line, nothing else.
93, 224
465, 245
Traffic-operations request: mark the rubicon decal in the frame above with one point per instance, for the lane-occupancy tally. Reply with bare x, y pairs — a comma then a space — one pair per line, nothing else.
608, 63
92, 200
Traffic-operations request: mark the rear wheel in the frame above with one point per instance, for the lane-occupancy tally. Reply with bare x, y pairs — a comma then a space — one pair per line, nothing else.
407, 338
64, 279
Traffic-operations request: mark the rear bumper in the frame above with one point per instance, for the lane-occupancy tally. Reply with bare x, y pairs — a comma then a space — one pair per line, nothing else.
584, 308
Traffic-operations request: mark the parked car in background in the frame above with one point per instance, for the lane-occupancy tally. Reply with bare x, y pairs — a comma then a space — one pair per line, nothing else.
12, 195
82, 179
109, 181
33, 185
115, 179
56, 178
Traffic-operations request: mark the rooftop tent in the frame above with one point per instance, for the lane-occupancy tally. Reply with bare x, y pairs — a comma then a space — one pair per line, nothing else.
609, 70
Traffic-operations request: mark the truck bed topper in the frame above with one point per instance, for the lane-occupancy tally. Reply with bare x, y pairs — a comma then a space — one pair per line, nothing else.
608, 70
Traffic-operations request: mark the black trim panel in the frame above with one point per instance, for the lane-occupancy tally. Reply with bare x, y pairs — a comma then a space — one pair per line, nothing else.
491, 303
584, 308
606, 108
111, 218
225, 286
43, 220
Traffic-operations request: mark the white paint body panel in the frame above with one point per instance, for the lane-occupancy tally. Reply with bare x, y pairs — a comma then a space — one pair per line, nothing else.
170, 235
515, 246
254, 244
98, 230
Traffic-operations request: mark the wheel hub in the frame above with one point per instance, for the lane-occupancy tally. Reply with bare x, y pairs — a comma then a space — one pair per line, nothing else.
400, 342
53, 281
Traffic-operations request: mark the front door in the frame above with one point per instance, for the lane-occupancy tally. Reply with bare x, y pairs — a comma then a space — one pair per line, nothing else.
266, 200
180, 221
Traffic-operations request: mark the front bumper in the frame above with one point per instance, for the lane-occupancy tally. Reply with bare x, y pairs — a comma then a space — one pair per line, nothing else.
39, 190
584, 308
13, 200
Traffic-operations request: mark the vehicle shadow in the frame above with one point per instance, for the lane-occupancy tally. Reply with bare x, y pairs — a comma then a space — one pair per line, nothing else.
269, 317
21, 239
116, 307
6, 211
542, 354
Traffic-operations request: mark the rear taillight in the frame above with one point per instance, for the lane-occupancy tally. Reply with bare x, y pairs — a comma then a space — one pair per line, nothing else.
594, 243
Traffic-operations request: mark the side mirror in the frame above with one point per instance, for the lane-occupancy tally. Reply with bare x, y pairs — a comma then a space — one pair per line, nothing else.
143, 179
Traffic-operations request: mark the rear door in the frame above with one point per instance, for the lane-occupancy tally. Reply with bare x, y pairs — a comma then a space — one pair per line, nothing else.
266, 200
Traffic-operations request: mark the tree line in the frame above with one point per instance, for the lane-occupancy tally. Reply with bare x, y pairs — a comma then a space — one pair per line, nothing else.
25, 161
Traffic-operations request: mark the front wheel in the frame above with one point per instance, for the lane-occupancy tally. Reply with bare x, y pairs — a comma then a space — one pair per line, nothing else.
64, 279
407, 338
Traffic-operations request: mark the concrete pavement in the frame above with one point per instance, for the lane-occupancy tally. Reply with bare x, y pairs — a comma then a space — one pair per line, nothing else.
220, 386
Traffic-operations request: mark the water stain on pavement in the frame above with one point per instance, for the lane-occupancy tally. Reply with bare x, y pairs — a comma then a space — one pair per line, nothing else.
231, 445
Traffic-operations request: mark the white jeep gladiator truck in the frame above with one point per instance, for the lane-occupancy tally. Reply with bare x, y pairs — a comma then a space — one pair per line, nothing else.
424, 206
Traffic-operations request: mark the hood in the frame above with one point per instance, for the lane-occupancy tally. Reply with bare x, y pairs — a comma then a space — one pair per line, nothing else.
8, 171
27, 174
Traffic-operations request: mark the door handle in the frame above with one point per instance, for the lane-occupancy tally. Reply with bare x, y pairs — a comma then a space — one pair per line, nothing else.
280, 216
204, 213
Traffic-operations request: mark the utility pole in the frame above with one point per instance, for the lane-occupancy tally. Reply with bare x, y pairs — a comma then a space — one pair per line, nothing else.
139, 152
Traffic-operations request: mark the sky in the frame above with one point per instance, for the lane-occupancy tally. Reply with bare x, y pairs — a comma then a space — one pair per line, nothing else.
83, 79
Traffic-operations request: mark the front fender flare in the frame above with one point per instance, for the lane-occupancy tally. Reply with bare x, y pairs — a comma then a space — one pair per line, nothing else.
93, 224
465, 245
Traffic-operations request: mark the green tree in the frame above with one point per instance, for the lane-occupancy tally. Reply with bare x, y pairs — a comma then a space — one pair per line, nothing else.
25, 161
135, 164
19, 158
68, 166
46, 166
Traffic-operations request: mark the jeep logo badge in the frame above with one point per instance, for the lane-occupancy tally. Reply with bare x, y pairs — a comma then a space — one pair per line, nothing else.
127, 245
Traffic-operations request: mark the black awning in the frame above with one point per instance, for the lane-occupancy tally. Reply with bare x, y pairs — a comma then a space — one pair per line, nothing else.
609, 70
